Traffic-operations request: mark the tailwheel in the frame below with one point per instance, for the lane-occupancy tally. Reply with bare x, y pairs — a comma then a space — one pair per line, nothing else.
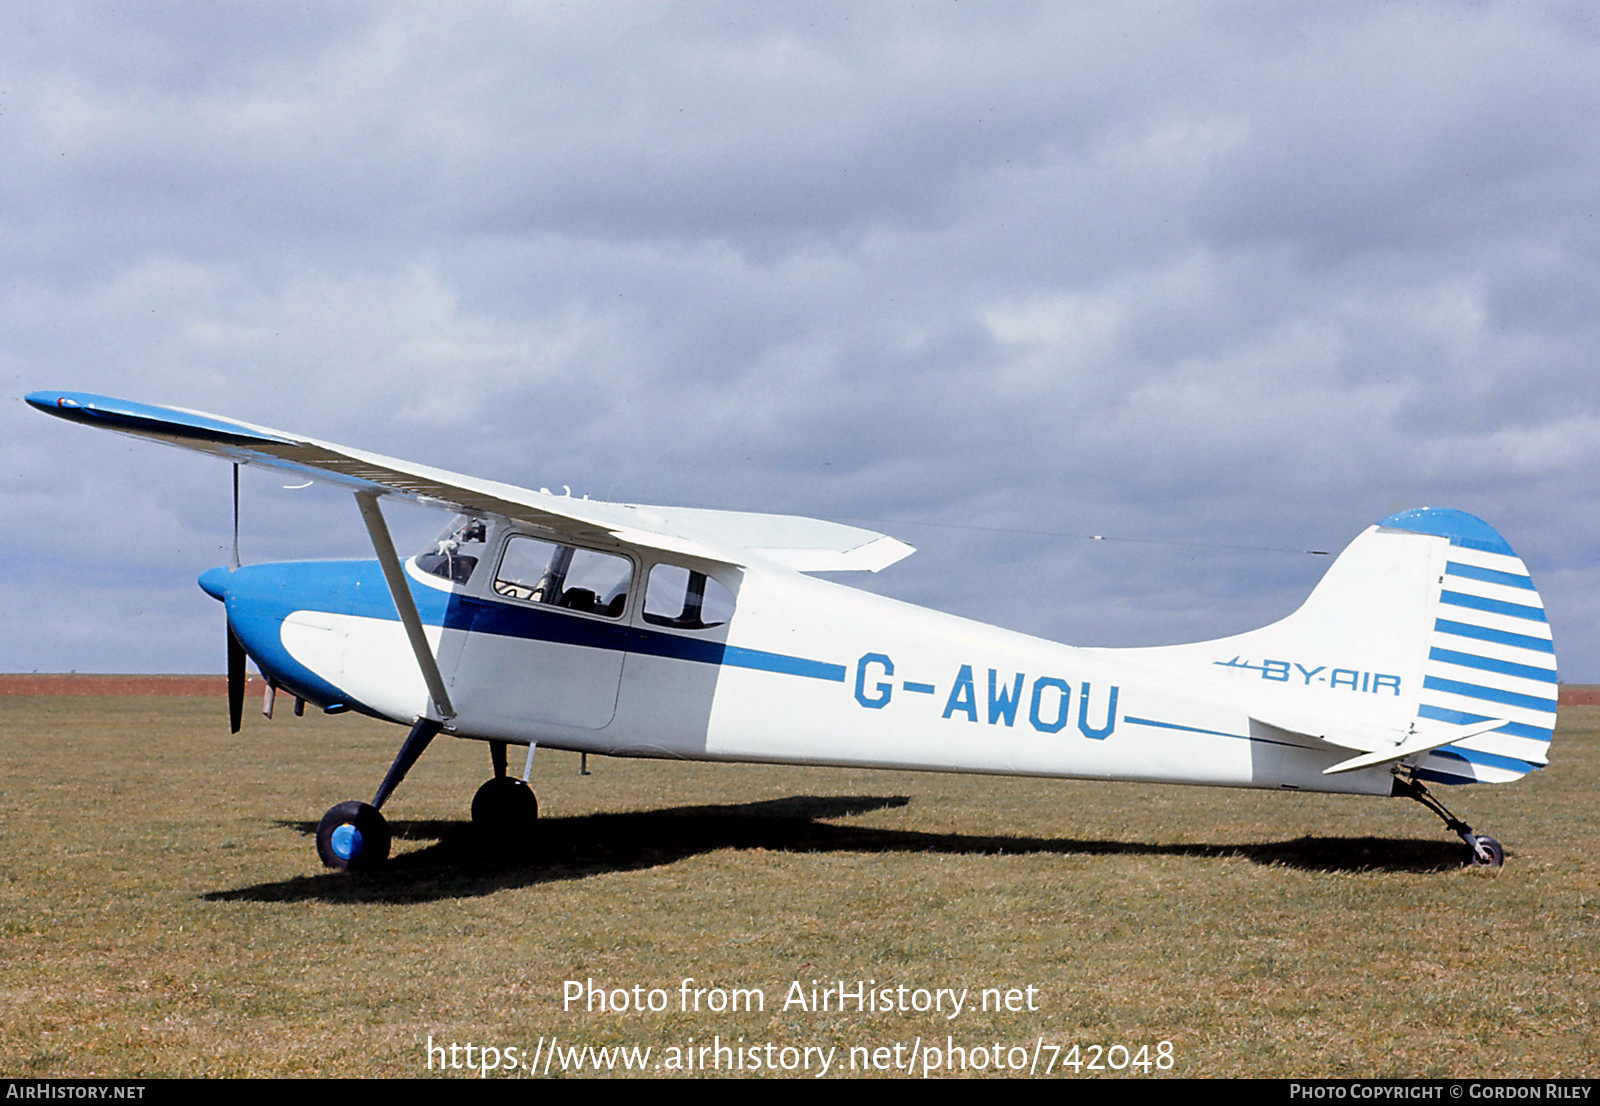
505, 809
353, 836
1482, 851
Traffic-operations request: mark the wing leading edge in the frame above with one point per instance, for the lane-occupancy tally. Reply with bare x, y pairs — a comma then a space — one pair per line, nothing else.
732, 537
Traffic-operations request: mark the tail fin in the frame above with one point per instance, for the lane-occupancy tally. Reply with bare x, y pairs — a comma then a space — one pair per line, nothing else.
1424, 633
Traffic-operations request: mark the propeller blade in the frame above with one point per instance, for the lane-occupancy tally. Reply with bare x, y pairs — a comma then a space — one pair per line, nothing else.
235, 515
235, 680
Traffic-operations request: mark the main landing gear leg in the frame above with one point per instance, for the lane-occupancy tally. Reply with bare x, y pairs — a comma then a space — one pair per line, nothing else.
1485, 851
354, 835
505, 808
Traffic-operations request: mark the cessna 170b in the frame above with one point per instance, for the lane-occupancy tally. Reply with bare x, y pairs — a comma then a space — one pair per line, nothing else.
1423, 656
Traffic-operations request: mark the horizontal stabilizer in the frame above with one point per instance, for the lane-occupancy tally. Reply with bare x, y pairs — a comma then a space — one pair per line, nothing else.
1423, 741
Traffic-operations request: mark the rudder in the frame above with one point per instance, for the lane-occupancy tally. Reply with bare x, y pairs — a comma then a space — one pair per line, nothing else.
1490, 654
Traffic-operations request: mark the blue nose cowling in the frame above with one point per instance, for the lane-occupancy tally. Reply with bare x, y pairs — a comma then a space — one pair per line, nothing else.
214, 582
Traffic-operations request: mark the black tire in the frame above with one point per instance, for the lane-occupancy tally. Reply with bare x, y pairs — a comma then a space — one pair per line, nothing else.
353, 836
504, 810
1496, 857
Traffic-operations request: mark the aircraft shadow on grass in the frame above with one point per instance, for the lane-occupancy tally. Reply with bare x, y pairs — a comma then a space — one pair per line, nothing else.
458, 863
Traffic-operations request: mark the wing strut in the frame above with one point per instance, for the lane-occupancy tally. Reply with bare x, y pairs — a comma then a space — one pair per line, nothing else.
383, 545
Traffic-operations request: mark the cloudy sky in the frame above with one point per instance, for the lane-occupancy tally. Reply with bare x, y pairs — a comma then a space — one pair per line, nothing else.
1222, 281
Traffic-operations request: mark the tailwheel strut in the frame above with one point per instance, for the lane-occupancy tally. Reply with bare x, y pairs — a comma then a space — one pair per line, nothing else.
1485, 851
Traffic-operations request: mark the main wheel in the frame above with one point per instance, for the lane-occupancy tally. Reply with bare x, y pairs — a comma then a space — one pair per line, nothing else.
353, 836
504, 809
1488, 854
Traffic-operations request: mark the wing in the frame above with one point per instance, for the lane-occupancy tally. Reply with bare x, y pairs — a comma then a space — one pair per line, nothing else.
733, 537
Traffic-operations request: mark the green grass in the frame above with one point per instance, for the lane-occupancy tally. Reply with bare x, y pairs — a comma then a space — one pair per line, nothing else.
163, 913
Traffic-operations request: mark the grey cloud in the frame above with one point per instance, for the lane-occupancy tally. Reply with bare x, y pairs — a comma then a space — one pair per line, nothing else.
1235, 274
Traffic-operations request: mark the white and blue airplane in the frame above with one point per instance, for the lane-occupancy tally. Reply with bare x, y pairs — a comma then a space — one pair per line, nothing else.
1423, 656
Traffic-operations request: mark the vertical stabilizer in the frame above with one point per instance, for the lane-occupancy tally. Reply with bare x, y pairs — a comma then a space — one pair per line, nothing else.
1427, 624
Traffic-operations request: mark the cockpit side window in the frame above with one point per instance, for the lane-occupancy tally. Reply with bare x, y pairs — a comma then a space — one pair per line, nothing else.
685, 600
455, 553
537, 571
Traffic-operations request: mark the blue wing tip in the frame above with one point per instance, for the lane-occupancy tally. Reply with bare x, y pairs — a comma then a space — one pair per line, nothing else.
51, 402
1461, 528
144, 418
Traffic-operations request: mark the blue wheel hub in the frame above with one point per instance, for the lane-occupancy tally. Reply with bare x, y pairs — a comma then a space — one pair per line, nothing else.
352, 835
346, 842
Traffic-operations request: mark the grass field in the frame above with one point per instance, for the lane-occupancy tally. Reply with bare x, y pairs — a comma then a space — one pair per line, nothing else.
163, 913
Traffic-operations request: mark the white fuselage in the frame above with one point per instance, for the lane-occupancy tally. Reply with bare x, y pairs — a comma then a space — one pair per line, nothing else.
809, 672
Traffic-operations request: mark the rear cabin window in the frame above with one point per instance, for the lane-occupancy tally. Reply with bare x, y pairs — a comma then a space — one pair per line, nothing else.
537, 571
685, 600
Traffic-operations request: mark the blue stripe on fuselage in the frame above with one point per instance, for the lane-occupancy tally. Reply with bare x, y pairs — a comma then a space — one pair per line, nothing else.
564, 628
261, 596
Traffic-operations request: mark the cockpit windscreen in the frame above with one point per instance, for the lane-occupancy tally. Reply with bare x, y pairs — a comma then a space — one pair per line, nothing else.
456, 551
